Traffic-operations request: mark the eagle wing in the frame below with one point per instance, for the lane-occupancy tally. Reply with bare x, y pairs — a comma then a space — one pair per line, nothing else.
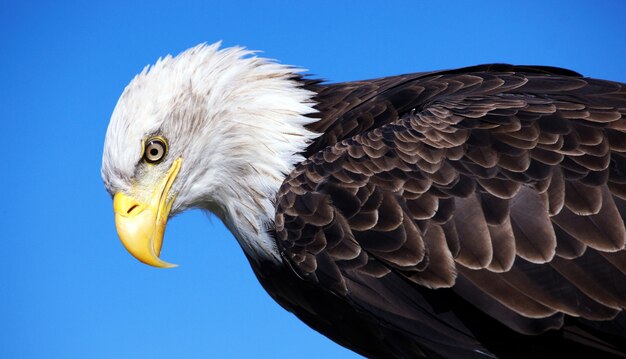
503, 185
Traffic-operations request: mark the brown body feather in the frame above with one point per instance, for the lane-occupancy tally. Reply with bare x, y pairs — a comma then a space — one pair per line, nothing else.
499, 188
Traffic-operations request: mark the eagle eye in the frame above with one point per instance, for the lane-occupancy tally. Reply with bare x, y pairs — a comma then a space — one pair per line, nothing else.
155, 150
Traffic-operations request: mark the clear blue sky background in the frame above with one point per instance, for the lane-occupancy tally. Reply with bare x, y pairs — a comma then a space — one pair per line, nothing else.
68, 289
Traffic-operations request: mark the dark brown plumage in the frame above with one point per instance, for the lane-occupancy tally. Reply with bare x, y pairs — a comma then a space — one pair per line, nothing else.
469, 213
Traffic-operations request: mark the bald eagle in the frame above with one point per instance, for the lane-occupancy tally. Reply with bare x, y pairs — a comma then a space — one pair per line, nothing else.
468, 213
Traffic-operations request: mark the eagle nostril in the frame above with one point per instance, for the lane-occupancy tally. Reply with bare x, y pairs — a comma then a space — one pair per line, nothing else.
132, 208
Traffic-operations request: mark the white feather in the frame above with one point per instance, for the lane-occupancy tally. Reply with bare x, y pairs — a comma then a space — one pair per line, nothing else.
236, 120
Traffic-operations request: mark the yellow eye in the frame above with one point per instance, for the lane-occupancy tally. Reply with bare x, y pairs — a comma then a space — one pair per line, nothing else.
155, 150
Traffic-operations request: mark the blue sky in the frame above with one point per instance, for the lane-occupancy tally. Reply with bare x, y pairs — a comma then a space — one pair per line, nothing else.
68, 289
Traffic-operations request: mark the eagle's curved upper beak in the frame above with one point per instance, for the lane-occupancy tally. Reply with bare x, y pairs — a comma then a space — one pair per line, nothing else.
141, 225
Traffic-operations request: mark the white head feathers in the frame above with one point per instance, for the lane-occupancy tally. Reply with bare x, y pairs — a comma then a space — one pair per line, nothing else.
236, 120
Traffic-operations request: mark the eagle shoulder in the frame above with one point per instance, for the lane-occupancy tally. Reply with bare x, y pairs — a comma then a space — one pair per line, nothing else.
506, 185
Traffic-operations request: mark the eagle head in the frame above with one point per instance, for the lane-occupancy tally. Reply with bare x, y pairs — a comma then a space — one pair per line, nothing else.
211, 128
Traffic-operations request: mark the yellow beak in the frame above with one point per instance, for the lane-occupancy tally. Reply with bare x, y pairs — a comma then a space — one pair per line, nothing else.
141, 225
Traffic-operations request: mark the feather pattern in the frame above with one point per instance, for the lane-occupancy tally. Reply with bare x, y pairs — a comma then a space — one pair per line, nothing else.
497, 182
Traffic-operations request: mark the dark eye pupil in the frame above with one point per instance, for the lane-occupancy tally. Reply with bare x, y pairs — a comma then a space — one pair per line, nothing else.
154, 152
